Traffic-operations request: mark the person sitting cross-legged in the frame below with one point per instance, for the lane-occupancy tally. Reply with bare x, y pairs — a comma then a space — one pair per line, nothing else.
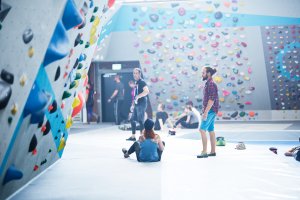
149, 147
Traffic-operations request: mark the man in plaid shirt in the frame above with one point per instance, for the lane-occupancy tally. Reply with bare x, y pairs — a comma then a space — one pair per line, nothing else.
209, 111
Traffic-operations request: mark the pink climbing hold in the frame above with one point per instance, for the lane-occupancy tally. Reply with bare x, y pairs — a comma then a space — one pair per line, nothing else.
226, 93
248, 103
249, 70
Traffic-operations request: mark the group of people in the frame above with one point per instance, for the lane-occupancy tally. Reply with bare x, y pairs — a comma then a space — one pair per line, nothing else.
149, 146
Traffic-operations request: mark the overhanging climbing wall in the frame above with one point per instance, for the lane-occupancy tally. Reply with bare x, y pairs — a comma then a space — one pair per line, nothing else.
43, 63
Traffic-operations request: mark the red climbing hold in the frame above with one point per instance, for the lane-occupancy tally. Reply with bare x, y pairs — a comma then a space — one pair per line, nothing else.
34, 152
35, 168
110, 3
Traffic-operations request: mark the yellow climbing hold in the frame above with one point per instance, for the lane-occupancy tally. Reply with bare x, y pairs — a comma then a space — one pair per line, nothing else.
218, 79
23, 80
69, 122
76, 102
62, 144
246, 78
147, 39
14, 109
30, 52
221, 99
97, 21
178, 60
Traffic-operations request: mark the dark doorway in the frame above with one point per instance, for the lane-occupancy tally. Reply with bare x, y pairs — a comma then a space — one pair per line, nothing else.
108, 87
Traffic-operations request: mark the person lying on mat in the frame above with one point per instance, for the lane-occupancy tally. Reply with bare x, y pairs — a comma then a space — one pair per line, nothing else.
149, 147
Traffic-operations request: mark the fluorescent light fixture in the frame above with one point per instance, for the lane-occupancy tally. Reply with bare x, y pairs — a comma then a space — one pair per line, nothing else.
116, 66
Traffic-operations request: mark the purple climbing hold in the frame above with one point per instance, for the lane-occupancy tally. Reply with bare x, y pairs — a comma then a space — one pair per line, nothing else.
181, 11
218, 15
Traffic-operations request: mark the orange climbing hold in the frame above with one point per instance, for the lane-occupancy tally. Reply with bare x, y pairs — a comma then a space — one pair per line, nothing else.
251, 114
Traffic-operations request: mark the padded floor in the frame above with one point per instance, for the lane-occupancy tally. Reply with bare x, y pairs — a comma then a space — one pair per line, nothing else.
93, 167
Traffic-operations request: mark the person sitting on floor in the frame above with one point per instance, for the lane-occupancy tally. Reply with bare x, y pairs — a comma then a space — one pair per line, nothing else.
149, 147
161, 117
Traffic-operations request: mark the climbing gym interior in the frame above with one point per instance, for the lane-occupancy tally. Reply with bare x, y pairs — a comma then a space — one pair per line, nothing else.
59, 137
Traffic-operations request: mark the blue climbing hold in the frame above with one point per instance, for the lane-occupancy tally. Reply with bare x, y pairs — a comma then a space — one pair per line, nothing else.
71, 16
12, 173
37, 103
59, 45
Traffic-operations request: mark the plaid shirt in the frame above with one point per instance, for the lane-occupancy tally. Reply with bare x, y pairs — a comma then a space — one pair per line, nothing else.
210, 92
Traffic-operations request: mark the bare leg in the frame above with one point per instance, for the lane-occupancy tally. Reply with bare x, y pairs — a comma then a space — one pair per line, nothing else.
212, 136
204, 141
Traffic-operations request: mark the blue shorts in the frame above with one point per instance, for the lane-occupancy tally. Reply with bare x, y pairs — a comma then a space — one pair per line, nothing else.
209, 123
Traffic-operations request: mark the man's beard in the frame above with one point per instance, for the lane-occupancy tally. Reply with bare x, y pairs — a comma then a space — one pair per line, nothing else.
204, 78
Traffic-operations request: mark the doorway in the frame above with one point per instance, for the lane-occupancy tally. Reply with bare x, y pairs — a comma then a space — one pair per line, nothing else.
107, 88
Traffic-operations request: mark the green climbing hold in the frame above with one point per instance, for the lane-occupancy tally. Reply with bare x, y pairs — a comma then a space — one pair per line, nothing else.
96, 9
87, 44
78, 76
92, 18
9, 120
80, 65
73, 84
66, 94
242, 114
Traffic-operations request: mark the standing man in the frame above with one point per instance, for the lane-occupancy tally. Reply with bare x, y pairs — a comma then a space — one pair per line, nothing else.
140, 103
209, 111
118, 96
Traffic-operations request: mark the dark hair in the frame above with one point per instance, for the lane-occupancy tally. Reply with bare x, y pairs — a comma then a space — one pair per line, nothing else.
189, 103
149, 134
210, 70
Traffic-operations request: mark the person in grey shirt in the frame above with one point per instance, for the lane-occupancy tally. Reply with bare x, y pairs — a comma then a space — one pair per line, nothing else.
118, 97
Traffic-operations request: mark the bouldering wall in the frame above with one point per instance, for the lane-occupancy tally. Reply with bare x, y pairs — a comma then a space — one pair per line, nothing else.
248, 43
44, 63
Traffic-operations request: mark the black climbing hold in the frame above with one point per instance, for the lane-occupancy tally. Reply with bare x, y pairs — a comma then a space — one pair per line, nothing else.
77, 40
233, 115
44, 162
84, 8
57, 74
5, 93
54, 107
56, 138
12, 173
40, 124
226, 118
7, 76
49, 151
48, 128
76, 63
82, 25
33, 144
27, 35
